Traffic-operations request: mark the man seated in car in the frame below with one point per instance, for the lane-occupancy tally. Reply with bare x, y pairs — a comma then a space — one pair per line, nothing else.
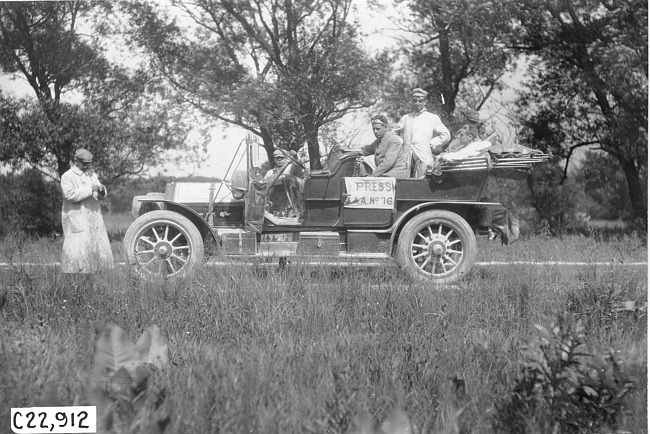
279, 160
465, 144
391, 158
467, 134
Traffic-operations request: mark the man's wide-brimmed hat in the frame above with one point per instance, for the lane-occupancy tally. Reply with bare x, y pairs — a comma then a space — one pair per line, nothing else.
83, 155
278, 153
420, 93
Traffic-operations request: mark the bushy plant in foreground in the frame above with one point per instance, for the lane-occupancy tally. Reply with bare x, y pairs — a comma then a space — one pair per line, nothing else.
122, 386
564, 387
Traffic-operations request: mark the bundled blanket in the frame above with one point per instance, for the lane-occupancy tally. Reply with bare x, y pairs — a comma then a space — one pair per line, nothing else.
473, 149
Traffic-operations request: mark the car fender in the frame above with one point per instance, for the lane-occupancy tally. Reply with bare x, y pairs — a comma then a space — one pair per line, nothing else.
159, 203
453, 206
137, 208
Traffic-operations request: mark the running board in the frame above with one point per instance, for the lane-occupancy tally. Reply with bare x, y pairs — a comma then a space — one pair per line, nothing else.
363, 259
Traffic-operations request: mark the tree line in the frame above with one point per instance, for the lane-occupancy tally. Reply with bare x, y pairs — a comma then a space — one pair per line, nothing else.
131, 80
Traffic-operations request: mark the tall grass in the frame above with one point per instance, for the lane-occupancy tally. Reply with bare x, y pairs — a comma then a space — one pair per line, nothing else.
305, 350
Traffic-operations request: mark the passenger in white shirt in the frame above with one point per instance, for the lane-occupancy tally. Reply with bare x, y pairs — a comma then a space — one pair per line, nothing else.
423, 133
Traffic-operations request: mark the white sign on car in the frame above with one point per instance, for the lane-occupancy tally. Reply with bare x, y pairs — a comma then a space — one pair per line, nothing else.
370, 192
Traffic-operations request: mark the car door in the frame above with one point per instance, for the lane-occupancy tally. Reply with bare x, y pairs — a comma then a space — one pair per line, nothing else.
368, 201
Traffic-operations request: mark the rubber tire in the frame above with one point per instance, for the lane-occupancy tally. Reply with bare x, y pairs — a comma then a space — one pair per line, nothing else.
174, 220
419, 222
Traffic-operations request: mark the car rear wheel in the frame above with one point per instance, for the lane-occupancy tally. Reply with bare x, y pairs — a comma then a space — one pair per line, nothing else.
163, 244
436, 246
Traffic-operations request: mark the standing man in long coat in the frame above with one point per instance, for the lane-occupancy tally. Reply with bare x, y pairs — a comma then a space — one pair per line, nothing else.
424, 134
86, 248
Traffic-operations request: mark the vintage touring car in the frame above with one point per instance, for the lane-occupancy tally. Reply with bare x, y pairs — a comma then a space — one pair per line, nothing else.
428, 225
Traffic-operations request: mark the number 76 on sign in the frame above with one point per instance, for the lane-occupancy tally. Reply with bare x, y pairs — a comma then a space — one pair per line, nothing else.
72, 419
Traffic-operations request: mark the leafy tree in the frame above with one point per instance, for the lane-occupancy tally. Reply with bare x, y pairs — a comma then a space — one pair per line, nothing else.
29, 204
280, 69
513, 192
589, 81
604, 184
455, 51
122, 142
553, 200
119, 120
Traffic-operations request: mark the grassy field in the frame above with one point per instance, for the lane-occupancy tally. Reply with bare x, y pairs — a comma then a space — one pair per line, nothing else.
252, 350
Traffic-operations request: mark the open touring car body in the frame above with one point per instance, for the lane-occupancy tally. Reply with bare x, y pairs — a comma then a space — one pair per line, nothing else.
427, 224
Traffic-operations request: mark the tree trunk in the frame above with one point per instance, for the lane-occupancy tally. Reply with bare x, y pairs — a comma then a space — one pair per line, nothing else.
267, 140
314, 154
637, 198
449, 104
62, 166
313, 147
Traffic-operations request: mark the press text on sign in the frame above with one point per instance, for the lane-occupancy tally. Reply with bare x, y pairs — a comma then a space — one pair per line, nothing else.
70, 419
369, 192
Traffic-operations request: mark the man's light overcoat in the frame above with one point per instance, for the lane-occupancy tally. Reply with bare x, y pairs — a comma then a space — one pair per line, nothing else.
86, 248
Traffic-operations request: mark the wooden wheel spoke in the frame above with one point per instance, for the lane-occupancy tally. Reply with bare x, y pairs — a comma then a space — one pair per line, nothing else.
180, 259
175, 238
458, 252
448, 258
148, 241
424, 264
162, 267
155, 232
422, 246
420, 255
439, 262
451, 243
153, 258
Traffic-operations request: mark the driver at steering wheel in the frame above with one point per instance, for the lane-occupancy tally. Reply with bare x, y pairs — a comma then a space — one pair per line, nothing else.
279, 160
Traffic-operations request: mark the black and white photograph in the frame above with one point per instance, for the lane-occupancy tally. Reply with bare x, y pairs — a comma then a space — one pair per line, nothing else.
324, 216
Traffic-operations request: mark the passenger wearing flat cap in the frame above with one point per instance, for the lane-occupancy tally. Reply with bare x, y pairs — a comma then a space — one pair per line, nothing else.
86, 248
279, 160
391, 156
423, 133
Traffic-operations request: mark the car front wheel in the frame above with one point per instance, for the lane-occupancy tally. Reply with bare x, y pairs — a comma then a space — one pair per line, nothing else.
163, 244
436, 246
